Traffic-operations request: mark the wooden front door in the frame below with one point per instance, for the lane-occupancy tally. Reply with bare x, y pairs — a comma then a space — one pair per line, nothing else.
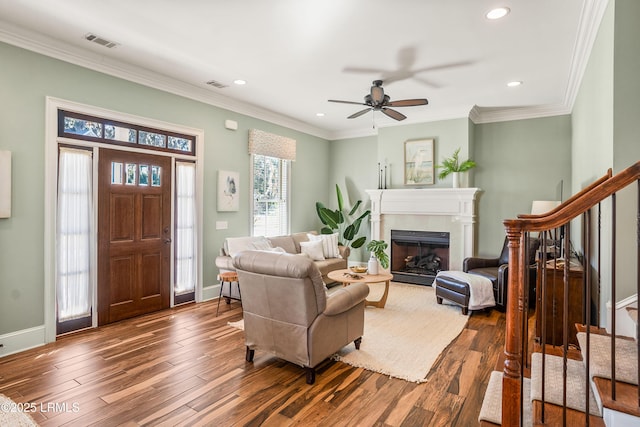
134, 234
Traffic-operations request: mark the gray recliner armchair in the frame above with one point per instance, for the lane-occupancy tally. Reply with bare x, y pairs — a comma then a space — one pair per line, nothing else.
288, 313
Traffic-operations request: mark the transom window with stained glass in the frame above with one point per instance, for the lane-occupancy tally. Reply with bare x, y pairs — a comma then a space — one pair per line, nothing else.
81, 126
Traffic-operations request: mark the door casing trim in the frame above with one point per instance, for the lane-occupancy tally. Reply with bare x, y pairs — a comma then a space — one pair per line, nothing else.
50, 194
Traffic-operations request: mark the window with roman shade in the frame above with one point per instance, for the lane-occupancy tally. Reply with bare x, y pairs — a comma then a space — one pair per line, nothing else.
271, 157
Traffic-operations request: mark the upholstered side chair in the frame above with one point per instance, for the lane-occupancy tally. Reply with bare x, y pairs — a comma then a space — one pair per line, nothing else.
288, 313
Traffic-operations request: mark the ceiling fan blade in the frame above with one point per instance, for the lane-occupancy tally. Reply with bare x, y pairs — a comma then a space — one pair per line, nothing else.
393, 114
408, 102
443, 66
363, 70
359, 113
347, 102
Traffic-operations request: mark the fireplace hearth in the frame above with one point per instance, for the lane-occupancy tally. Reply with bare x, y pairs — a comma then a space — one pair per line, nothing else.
417, 256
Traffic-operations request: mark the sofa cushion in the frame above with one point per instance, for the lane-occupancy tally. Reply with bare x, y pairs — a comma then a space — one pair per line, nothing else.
329, 244
284, 242
262, 244
234, 245
301, 237
313, 250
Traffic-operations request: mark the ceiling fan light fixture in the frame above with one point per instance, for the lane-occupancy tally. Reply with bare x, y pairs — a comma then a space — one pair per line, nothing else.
514, 83
240, 82
497, 13
377, 94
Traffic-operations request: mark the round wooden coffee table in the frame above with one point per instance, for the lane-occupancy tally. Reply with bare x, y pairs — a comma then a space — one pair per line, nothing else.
346, 277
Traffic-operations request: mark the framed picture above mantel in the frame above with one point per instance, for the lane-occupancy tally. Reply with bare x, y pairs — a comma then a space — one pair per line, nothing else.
418, 162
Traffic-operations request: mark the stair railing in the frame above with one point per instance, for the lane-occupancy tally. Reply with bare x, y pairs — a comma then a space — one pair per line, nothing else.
578, 207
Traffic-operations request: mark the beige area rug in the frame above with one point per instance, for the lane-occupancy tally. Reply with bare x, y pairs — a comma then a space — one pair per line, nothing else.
14, 414
404, 339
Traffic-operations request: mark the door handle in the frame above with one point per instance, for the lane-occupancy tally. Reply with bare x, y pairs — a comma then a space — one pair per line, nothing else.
167, 240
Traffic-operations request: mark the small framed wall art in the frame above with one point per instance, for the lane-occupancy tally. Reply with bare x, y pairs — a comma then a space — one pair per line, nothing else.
418, 162
5, 184
228, 191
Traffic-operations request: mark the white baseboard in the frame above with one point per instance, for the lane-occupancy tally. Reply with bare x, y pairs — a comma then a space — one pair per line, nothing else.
210, 292
18, 341
624, 324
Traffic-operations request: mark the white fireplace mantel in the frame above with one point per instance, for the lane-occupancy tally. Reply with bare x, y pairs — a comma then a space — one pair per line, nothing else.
451, 210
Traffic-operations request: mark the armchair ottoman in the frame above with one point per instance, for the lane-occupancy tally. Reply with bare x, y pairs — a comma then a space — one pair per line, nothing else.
452, 290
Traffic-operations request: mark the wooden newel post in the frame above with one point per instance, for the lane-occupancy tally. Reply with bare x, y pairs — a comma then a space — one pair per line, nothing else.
512, 372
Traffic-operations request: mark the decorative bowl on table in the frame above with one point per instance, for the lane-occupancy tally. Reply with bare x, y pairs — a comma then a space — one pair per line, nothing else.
360, 269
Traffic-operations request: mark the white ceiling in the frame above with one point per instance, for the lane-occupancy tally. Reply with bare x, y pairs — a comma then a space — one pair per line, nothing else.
297, 54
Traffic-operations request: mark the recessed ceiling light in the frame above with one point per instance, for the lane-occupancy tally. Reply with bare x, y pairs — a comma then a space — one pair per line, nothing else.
514, 83
320, 114
240, 82
497, 13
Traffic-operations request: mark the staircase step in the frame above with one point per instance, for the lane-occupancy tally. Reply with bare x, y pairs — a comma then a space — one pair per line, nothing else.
491, 410
576, 383
553, 416
600, 357
626, 396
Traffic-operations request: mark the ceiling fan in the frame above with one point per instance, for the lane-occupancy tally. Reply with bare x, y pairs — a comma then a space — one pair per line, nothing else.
378, 101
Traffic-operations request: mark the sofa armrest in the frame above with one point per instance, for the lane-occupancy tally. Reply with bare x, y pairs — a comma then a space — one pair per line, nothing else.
225, 263
503, 274
346, 298
473, 263
345, 251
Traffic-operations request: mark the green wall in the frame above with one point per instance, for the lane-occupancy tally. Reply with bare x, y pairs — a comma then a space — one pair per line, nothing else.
605, 135
626, 131
518, 162
26, 78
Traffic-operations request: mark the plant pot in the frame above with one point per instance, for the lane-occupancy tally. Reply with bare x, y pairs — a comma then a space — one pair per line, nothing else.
456, 179
372, 265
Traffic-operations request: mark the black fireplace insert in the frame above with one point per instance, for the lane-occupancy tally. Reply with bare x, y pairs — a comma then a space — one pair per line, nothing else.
417, 256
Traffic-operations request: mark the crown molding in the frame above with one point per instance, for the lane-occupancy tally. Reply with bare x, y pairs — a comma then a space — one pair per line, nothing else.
35, 42
590, 19
480, 115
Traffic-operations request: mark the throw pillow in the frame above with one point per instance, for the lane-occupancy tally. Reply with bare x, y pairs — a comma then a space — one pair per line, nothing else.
329, 244
262, 244
313, 250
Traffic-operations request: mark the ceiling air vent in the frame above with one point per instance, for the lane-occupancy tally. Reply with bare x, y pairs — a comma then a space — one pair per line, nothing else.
217, 84
99, 40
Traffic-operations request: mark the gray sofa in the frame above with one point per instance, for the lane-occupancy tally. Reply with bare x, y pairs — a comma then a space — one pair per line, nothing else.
289, 244
288, 313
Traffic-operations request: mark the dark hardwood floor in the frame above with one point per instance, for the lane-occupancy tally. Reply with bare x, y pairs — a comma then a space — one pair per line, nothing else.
184, 366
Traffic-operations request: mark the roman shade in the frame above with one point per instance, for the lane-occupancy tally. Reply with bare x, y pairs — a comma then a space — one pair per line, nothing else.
271, 145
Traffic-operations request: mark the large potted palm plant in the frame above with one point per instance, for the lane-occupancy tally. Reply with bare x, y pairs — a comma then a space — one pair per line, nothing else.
345, 223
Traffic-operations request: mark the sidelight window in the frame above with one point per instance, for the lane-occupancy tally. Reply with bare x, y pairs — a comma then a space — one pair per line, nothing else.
186, 261
74, 229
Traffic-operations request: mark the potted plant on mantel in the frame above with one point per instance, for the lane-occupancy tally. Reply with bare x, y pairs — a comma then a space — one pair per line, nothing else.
378, 254
452, 165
